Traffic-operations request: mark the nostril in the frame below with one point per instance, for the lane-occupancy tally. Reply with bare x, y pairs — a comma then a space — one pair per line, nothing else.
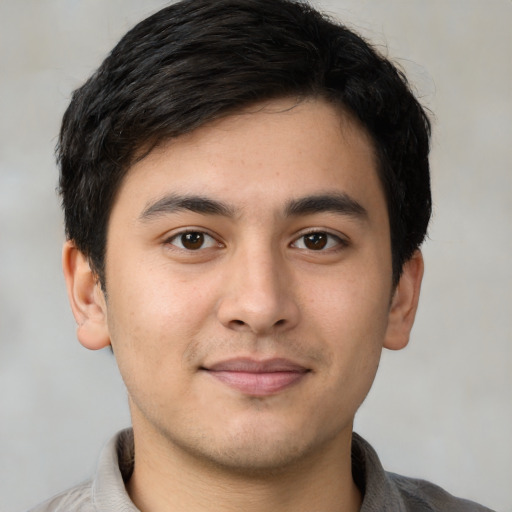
238, 325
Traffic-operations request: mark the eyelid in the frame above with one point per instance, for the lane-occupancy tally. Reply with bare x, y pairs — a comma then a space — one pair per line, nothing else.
342, 240
169, 238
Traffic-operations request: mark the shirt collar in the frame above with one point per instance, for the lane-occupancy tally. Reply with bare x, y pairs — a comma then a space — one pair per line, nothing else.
116, 466
114, 469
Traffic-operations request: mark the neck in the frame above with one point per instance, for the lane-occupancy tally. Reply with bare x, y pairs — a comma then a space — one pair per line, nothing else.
167, 478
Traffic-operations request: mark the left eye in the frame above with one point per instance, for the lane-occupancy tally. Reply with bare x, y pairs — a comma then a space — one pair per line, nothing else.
317, 241
193, 240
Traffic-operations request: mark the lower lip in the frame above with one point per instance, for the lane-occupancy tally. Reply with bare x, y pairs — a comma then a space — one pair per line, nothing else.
258, 384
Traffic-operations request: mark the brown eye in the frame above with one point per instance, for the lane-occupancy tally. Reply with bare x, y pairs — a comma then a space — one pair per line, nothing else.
193, 240
315, 241
319, 241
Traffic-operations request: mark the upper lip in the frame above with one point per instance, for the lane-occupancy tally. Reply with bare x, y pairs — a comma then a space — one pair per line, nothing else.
249, 365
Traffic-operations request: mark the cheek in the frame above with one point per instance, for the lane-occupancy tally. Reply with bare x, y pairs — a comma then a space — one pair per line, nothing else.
354, 303
157, 295
153, 316
351, 315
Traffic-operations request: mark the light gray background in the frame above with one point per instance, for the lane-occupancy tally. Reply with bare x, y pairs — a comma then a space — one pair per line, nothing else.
441, 409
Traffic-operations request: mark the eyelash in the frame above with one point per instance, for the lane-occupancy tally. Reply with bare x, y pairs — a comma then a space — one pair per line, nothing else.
339, 242
330, 243
190, 232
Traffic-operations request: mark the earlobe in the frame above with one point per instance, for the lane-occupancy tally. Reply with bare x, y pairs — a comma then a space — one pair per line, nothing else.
86, 298
404, 303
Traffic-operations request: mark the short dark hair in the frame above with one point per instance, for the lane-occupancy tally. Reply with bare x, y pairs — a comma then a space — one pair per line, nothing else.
198, 60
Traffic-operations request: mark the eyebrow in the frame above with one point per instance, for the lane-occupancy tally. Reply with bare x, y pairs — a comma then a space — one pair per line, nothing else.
174, 203
336, 203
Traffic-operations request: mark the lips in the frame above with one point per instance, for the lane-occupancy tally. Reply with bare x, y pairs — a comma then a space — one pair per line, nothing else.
257, 378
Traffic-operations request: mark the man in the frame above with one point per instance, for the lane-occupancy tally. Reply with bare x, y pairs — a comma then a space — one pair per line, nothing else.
246, 188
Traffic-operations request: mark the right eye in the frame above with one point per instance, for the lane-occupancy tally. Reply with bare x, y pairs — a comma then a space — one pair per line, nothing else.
192, 240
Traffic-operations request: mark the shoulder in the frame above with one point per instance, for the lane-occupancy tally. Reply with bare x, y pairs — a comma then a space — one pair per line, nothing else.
76, 499
106, 490
422, 496
388, 492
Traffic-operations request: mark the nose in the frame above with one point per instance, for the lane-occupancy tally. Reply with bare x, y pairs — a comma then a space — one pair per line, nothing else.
258, 295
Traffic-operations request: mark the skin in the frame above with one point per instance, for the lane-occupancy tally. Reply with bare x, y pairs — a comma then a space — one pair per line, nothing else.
250, 285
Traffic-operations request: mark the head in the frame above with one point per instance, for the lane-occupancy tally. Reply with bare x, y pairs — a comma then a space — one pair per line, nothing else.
190, 64
245, 186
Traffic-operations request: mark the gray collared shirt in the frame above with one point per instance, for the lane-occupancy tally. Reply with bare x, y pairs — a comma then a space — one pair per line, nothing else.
382, 491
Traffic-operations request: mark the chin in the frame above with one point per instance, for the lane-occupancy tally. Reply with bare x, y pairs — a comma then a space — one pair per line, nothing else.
255, 451
254, 459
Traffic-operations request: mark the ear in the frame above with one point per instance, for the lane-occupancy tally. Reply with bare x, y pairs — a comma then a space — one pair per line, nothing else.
86, 298
404, 303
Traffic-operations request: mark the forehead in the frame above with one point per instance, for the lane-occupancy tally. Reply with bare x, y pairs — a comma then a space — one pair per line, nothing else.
268, 154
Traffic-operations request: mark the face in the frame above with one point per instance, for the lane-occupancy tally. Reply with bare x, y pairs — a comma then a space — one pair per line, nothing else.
248, 280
